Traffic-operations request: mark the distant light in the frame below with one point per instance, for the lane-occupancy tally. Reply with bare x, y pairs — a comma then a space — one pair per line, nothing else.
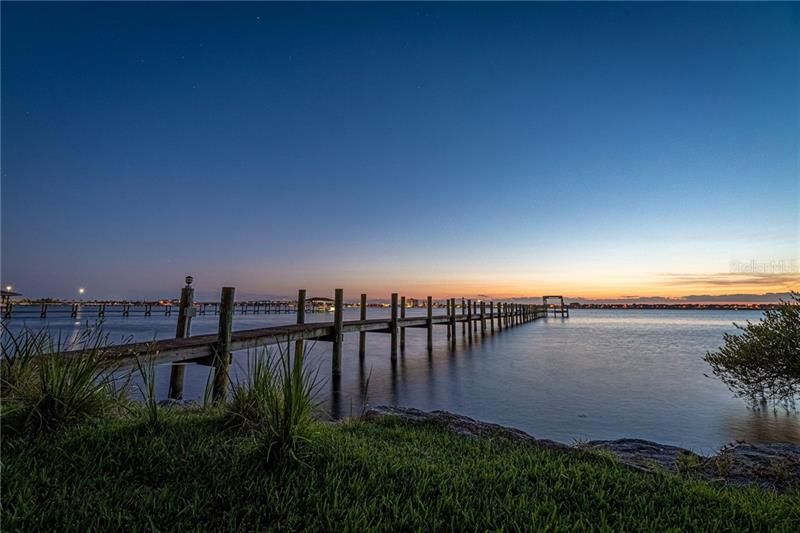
9, 287
81, 290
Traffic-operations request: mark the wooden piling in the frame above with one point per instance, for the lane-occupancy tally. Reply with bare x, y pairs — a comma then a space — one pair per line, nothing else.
337, 332
393, 326
469, 319
362, 336
402, 329
301, 319
430, 323
222, 349
500, 316
491, 317
483, 318
463, 313
43, 311
447, 307
453, 321
182, 331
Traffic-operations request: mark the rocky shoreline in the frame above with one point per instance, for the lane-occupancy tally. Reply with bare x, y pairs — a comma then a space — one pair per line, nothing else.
771, 466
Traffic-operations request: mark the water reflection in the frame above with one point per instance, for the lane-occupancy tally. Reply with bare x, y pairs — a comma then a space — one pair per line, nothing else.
336, 397
763, 426
596, 375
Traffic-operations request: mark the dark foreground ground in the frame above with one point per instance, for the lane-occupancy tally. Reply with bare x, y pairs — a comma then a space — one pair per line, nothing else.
381, 473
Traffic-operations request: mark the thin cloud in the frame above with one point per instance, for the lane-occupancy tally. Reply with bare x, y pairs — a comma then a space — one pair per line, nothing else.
733, 279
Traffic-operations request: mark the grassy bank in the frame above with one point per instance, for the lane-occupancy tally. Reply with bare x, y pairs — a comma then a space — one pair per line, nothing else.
190, 474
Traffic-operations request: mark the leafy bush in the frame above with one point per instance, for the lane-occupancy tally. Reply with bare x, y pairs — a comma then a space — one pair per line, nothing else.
276, 399
43, 391
762, 362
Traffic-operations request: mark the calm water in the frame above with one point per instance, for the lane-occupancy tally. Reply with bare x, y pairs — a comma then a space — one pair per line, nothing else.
597, 375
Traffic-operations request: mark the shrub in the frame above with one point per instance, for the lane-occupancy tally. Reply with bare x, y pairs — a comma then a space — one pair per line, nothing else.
762, 362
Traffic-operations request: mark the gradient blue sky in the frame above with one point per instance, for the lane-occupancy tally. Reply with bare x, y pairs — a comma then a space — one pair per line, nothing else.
588, 149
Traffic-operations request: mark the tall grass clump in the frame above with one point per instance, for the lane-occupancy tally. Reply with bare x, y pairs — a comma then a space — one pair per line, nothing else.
276, 400
147, 388
43, 391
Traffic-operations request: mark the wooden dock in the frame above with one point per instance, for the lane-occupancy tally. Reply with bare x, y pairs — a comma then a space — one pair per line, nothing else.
476, 318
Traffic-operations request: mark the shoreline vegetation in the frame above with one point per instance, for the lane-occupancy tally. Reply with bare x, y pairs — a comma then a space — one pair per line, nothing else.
79, 454
378, 472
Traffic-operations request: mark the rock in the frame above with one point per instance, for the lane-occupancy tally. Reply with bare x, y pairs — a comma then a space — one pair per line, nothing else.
462, 425
769, 465
772, 466
644, 454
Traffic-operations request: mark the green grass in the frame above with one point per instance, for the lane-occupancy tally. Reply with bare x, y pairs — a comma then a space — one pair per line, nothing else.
379, 475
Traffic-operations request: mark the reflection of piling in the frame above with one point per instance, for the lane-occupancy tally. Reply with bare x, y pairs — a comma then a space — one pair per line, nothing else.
393, 326
429, 324
449, 311
362, 336
337, 331
469, 319
402, 330
453, 321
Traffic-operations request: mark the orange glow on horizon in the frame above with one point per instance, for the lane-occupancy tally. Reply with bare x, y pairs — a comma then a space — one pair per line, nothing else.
665, 286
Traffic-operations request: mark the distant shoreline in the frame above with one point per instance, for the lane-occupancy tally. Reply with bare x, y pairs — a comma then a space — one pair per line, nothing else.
682, 307
378, 304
